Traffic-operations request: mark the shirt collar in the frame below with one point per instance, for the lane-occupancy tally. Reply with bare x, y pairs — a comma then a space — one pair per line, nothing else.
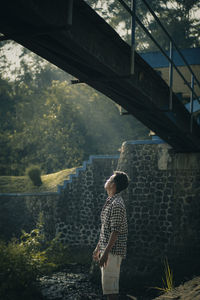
111, 199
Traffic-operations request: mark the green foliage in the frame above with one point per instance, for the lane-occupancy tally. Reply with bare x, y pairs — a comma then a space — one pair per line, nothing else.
19, 268
49, 254
23, 261
57, 253
178, 17
60, 126
179, 20
34, 173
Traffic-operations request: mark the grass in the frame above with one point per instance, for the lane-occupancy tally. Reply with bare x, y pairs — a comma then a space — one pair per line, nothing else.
168, 284
23, 184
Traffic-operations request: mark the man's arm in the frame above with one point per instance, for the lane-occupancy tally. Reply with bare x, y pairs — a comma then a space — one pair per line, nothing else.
96, 252
111, 242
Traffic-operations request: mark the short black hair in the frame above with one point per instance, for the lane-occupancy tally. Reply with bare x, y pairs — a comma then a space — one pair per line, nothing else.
121, 180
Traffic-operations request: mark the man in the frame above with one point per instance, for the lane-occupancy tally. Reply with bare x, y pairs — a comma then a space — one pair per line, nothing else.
111, 248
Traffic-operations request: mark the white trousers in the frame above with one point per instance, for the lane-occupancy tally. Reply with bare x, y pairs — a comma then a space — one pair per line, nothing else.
110, 275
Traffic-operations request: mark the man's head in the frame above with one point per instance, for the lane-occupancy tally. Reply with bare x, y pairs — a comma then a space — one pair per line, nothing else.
117, 182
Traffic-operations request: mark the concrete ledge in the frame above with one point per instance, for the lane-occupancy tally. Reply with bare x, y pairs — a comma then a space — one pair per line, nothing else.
28, 194
142, 142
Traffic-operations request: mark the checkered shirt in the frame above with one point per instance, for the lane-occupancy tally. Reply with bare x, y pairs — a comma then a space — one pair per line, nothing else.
113, 218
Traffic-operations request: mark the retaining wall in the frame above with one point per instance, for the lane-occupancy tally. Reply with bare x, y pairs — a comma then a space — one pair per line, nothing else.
72, 211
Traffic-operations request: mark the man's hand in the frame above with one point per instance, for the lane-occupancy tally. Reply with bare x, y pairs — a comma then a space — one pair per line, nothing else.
96, 254
103, 260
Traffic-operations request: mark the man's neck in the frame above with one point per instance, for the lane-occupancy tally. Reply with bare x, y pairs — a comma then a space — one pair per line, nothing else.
111, 193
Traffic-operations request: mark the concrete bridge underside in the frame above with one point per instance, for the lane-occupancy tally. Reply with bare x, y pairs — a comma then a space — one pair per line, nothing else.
89, 49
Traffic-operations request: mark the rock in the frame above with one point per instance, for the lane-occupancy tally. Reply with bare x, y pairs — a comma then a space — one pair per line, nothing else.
73, 283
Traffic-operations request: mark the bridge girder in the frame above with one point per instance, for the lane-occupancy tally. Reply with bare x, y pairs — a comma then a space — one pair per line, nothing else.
89, 49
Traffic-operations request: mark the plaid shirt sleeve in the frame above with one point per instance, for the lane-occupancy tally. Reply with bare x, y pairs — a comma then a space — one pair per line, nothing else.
116, 218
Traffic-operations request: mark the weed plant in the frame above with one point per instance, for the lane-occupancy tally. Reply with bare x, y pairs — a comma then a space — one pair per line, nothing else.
167, 281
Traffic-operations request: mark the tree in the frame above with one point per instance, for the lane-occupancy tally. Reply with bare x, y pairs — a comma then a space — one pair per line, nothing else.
46, 131
179, 20
177, 16
60, 126
47, 121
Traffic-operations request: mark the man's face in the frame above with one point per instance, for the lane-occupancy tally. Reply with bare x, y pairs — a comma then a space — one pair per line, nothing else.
109, 183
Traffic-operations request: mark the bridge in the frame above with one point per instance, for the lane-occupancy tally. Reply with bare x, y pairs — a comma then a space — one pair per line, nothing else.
71, 35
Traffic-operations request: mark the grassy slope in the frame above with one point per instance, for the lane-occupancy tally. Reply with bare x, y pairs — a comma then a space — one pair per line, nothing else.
22, 184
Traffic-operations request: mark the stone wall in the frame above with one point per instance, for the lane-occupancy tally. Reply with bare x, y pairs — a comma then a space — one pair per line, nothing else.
79, 207
163, 207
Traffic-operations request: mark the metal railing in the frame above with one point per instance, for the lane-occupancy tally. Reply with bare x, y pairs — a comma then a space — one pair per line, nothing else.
194, 80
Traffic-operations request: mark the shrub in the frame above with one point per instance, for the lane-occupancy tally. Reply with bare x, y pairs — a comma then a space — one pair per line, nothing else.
34, 173
24, 260
18, 270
